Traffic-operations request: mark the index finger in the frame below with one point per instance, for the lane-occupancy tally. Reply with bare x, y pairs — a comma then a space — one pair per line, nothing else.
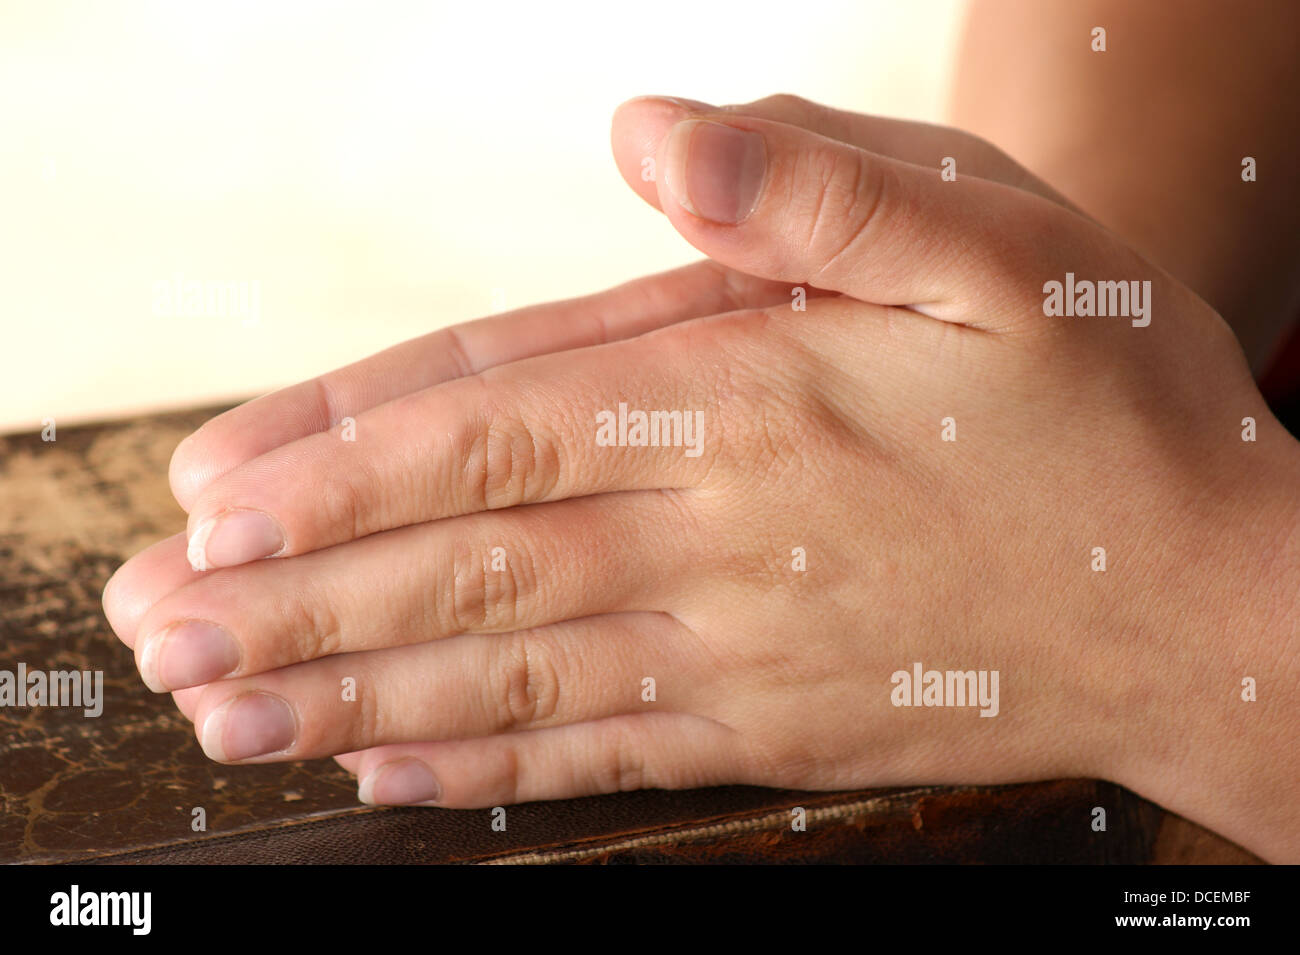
263, 424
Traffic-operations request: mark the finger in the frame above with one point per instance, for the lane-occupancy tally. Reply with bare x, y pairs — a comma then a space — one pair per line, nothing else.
351, 761
790, 205
484, 573
187, 701
474, 686
138, 585
641, 124
142, 581
252, 429
618, 754
532, 431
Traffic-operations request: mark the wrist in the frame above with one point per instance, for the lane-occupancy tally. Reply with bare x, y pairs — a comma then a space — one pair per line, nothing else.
1212, 739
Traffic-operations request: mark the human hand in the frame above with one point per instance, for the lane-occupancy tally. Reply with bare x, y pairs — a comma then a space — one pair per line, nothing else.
239, 436
822, 430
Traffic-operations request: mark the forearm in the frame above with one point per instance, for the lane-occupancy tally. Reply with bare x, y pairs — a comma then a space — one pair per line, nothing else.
1148, 137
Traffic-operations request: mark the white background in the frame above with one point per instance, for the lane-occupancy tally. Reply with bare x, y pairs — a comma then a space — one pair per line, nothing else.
379, 168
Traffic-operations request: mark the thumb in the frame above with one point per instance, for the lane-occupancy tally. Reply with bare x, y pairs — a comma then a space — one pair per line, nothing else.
640, 124
787, 204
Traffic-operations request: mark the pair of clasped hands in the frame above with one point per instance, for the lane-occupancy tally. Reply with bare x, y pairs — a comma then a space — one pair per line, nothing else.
944, 456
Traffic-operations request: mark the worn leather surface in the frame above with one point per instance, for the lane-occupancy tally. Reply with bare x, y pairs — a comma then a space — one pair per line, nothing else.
123, 787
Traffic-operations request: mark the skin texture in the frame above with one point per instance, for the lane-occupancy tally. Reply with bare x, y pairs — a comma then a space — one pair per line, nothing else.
822, 430
1149, 136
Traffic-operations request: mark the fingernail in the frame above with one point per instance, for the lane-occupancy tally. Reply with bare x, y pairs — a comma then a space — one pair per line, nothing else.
187, 654
688, 104
254, 724
403, 782
232, 538
715, 171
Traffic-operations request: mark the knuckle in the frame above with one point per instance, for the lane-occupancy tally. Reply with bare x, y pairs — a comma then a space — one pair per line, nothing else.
623, 768
488, 595
329, 406
1007, 256
527, 685
455, 349
785, 104
512, 462
509, 782
341, 505
466, 608
366, 725
990, 159
731, 346
506, 588
992, 162
846, 205
311, 622
751, 393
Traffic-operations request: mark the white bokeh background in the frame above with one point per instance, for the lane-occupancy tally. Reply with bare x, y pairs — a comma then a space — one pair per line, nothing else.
380, 169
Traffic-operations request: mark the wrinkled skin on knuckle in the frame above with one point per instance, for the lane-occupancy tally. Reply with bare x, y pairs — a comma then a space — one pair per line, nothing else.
366, 717
341, 502
839, 211
484, 597
465, 608
522, 460
510, 780
309, 618
509, 457
527, 684
622, 767
506, 589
